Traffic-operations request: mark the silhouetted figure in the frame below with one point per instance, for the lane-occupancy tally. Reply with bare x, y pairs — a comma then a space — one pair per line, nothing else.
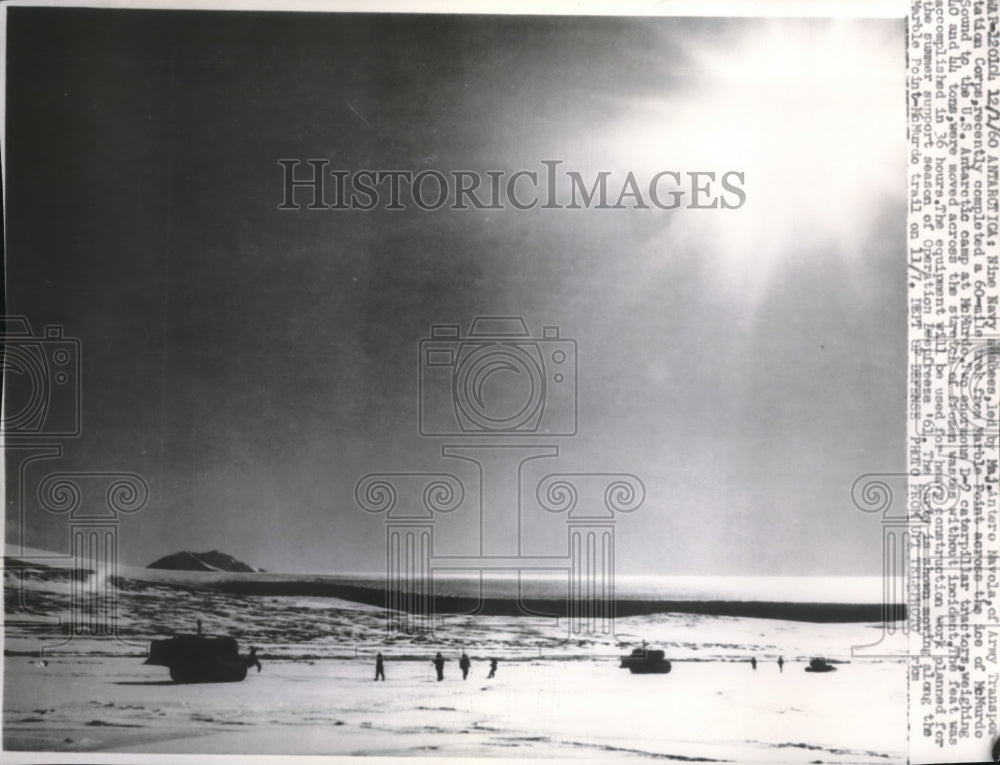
439, 665
753, 663
379, 668
781, 663
199, 626
464, 664
493, 669
252, 659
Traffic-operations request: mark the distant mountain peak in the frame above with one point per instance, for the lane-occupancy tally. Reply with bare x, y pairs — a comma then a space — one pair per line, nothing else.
206, 561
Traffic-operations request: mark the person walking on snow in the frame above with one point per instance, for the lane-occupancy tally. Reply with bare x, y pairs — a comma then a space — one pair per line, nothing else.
252, 660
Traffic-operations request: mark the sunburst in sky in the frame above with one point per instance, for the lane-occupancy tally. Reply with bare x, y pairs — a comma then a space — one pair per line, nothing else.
252, 363
811, 113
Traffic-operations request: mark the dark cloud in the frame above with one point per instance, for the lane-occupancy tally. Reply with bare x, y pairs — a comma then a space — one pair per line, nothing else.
252, 363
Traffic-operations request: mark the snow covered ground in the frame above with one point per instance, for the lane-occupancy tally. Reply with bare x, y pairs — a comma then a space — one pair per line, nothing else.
552, 697
541, 707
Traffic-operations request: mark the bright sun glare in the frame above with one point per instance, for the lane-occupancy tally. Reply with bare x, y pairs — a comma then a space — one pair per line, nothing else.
813, 115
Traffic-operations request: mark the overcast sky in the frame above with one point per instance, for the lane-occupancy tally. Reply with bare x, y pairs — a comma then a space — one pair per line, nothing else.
252, 363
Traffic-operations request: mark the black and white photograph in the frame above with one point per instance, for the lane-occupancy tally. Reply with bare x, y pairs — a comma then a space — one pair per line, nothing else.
454, 384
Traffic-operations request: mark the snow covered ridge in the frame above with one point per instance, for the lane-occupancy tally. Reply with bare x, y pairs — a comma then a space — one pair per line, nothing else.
808, 599
316, 694
206, 561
